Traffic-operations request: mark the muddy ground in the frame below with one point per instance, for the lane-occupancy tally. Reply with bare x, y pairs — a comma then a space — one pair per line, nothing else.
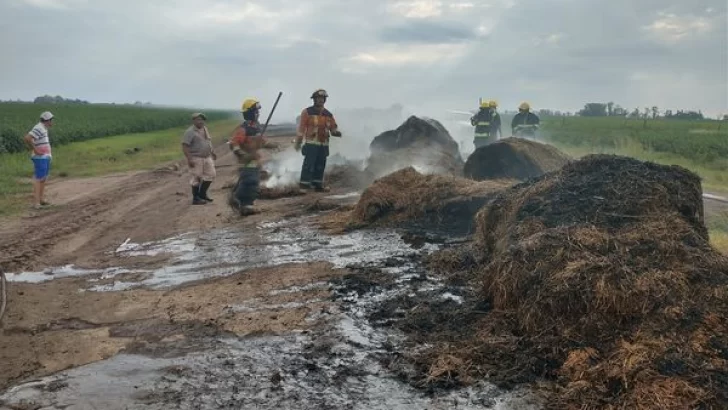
124, 296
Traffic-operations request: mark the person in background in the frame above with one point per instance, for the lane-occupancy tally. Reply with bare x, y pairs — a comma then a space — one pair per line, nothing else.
312, 139
38, 141
197, 147
482, 122
525, 123
496, 128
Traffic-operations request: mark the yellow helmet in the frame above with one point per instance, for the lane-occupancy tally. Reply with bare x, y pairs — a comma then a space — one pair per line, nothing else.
250, 103
524, 106
483, 104
492, 104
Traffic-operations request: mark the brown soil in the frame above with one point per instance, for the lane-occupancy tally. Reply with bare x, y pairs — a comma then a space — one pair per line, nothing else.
52, 326
514, 158
601, 280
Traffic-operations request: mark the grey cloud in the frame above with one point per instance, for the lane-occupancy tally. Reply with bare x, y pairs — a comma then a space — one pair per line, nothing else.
110, 51
426, 32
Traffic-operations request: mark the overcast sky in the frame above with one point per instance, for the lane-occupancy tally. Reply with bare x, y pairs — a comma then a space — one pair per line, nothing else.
426, 55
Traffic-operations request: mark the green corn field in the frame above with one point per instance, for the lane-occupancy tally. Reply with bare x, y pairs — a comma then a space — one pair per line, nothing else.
77, 122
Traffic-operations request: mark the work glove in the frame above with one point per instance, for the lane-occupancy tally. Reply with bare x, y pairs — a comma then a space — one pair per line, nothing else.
336, 133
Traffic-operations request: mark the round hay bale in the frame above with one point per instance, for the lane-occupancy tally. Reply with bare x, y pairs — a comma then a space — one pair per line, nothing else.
607, 191
408, 197
422, 143
605, 272
515, 158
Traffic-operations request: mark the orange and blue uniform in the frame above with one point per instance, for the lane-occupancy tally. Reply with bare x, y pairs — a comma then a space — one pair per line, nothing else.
316, 123
246, 144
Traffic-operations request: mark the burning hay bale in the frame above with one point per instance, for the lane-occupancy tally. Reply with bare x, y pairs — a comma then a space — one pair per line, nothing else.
409, 197
513, 158
424, 144
602, 280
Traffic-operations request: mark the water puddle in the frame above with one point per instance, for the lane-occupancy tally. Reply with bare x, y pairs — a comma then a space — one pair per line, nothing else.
345, 196
223, 252
62, 272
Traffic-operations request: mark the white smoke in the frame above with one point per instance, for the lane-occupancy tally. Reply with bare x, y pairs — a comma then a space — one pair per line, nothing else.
284, 168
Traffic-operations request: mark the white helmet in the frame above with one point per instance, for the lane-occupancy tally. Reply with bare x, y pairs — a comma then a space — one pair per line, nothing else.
46, 116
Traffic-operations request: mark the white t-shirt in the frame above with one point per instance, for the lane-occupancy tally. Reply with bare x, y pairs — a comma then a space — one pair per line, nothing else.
41, 142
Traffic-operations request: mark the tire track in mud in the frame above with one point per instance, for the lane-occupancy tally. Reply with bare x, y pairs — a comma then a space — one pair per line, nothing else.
39, 233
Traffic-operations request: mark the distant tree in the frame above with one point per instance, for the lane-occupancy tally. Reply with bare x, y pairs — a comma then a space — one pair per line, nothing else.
618, 111
48, 99
655, 112
610, 106
594, 110
635, 113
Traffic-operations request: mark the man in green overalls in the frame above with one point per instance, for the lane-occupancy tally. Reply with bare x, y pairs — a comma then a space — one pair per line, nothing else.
525, 123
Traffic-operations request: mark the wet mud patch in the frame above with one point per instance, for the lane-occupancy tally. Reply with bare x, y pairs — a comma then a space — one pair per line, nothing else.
225, 252
155, 338
349, 359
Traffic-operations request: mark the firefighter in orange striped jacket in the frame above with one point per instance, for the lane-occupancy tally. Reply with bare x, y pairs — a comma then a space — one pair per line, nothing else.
312, 139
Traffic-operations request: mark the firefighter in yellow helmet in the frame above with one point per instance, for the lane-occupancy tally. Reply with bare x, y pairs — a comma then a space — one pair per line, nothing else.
496, 129
483, 123
246, 144
312, 139
525, 123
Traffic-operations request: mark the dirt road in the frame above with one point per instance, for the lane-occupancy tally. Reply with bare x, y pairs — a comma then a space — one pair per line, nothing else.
198, 308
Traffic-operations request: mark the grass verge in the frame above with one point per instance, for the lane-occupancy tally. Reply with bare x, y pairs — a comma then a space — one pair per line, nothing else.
96, 157
714, 179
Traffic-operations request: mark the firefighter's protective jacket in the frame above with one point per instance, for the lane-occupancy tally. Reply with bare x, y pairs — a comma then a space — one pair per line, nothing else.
315, 125
246, 143
525, 122
483, 122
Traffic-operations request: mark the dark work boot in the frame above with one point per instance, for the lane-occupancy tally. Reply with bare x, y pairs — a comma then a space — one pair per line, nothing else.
203, 190
196, 200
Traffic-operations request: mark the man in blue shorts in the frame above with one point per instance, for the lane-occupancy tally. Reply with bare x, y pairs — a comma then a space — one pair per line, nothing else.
40, 147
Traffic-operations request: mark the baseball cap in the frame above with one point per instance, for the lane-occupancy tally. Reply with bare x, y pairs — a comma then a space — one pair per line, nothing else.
47, 115
199, 114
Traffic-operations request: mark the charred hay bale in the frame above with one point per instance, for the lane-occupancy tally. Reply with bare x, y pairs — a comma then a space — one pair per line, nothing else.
414, 199
607, 263
515, 158
606, 191
422, 143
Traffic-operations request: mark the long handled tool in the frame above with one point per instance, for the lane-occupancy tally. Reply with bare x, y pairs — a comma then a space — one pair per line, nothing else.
265, 127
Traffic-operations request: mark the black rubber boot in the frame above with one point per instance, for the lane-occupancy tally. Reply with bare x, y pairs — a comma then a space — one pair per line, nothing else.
203, 190
196, 200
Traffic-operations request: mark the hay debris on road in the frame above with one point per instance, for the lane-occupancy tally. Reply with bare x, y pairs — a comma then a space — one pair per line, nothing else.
602, 280
406, 196
515, 158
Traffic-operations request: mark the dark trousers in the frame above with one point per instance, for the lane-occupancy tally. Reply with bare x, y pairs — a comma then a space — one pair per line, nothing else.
246, 190
314, 165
